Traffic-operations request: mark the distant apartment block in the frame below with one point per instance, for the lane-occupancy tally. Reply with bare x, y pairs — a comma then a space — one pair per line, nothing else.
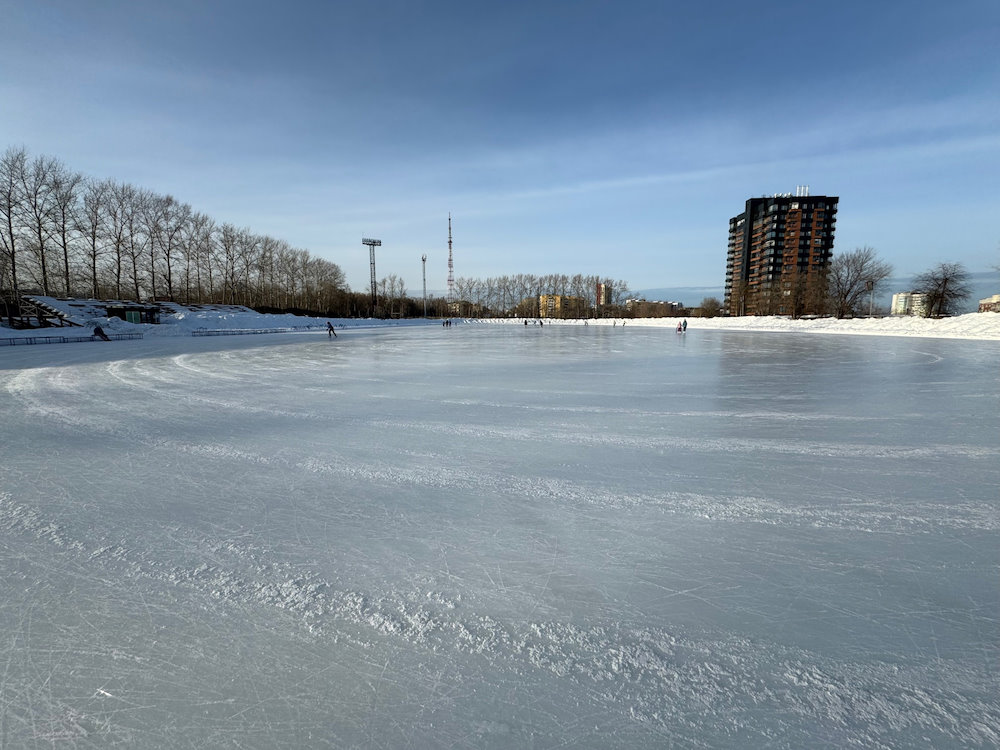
990, 304
908, 303
561, 306
779, 252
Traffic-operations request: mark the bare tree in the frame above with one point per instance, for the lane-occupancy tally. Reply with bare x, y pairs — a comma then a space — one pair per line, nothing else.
391, 292
66, 195
618, 291
154, 210
91, 224
138, 242
291, 275
710, 307
229, 240
199, 244
816, 295
740, 298
13, 165
944, 288
177, 220
120, 221
768, 298
38, 194
853, 278
331, 285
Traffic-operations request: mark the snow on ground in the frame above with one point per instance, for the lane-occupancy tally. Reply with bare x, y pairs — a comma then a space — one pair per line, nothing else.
181, 320
185, 321
982, 326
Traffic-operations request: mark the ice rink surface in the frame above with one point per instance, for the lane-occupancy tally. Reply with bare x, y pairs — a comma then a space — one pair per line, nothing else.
500, 537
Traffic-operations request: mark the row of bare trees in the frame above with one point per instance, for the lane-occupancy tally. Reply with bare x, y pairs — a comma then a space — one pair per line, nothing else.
519, 294
64, 234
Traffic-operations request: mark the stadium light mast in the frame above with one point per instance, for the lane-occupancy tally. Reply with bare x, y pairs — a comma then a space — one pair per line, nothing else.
372, 244
423, 259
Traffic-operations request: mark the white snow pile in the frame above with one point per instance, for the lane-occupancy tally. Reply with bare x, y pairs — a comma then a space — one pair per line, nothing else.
984, 326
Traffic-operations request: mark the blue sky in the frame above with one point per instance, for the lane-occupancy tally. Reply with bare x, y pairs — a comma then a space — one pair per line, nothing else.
610, 138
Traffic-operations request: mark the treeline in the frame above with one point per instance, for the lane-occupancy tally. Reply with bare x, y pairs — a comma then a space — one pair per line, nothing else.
68, 235
64, 234
519, 295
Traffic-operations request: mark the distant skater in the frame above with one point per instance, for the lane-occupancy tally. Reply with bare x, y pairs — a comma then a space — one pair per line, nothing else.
330, 333
680, 328
684, 324
99, 332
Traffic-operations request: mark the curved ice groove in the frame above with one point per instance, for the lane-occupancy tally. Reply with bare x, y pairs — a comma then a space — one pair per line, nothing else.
732, 508
859, 516
750, 416
153, 380
37, 392
675, 443
190, 363
27, 386
933, 359
676, 682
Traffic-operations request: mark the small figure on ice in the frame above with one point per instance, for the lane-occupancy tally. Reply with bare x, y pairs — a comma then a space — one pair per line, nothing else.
99, 333
684, 325
330, 333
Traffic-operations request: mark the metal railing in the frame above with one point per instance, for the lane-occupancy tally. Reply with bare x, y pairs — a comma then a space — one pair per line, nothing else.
28, 340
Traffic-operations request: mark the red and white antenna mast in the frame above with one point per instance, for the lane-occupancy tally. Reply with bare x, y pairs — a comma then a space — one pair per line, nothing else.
451, 265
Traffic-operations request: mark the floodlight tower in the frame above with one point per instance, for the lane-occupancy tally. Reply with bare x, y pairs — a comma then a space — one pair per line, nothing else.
451, 267
423, 259
372, 244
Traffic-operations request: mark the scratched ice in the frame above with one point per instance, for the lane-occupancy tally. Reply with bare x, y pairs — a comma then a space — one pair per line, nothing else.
493, 537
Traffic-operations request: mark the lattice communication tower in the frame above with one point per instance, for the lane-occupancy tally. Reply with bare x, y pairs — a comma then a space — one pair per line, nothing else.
451, 266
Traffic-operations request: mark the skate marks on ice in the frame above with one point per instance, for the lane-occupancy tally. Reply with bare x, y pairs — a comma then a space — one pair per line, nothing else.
697, 689
424, 640
54, 396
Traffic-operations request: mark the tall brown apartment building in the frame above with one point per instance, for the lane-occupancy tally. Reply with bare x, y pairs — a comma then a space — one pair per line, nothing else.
779, 251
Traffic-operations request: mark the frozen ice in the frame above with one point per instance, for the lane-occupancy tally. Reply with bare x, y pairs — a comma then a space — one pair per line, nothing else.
501, 536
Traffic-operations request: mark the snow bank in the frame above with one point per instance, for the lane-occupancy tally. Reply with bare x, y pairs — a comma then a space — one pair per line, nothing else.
184, 321
985, 326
